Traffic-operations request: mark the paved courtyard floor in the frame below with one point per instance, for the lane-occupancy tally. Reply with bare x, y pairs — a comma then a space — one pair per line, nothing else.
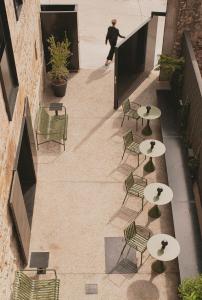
80, 191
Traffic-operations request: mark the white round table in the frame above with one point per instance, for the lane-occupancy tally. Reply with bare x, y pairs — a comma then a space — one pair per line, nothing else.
148, 113
157, 150
158, 194
170, 252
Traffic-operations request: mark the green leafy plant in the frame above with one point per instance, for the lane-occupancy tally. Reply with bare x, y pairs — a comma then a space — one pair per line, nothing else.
59, 58
191, 288
170, 64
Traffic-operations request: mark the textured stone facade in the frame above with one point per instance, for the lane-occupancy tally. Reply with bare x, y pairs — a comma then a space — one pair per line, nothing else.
188, 18
26, 42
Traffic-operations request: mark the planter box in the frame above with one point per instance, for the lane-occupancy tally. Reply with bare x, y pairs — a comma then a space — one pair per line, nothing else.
55, 20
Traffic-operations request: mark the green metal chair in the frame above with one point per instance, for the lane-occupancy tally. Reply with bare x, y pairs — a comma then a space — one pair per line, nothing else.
52, 127
130, 112
26, 288
135, 186
131, 143
136, 237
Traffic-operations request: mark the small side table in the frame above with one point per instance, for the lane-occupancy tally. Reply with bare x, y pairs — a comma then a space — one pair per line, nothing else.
157, 150
170, 252
40, 261
56, 107
148, 113
157, 194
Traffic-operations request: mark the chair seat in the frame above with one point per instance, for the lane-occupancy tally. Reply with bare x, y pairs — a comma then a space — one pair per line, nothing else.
138, 242
134, 147
137, 190
132, 114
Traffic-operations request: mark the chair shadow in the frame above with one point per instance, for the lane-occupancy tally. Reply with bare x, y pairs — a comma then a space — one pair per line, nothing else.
98, 74
126, 214
124, 168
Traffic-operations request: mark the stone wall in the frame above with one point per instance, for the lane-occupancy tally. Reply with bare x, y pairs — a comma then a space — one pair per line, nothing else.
184, 15
190, 19
26, 41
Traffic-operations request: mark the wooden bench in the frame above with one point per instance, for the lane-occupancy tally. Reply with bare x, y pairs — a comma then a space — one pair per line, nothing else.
27, 288
51, 126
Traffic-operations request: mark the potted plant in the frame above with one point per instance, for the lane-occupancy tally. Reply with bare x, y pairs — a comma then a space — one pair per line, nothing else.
169, 65
191, 288
59, 60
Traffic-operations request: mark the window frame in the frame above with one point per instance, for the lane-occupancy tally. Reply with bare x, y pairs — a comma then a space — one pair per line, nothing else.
6, 46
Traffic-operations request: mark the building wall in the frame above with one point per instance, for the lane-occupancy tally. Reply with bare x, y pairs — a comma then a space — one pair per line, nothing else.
183, 15
25, 36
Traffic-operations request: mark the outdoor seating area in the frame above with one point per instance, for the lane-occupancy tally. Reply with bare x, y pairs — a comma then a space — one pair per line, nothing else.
156, 193
101, 150
114, 234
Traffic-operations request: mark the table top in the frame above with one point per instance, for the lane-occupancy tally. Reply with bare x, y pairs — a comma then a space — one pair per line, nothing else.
158, 150
55, 106
171, 251
39, 260
154, 112
150, 193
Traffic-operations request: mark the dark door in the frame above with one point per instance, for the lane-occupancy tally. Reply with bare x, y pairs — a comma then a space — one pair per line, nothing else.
57, 20
134, 59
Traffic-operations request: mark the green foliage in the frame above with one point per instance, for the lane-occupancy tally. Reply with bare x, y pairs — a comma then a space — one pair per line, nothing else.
191, 288
59, 58
170, 64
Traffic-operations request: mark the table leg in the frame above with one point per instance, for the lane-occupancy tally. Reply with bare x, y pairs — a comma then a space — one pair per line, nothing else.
147, 129
158, 266
149, 166
154, 212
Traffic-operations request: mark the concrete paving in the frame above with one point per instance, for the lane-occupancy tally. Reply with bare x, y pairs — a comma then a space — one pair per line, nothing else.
80, 191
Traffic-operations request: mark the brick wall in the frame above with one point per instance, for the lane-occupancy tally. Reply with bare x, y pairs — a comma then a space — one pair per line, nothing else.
26, 36
187, 16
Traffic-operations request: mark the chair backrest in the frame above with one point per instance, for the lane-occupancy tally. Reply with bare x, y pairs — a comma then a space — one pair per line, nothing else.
43, 120
130, 231
139, 180
145, 232
26, 288
129, 181
128, 138
22, 286
126, 106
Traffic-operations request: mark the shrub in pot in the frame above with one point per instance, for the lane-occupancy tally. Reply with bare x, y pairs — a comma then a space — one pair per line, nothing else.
59, 60
169, 65
191, 288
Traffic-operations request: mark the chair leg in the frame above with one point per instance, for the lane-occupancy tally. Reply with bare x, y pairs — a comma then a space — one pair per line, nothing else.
122, 252
138, 158
123, 153
128, 252
141, 259
142, 203
122, 120
125, 198
136, 124
37, 143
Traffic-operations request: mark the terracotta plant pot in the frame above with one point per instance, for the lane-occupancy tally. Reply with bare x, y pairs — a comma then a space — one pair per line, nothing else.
59, 88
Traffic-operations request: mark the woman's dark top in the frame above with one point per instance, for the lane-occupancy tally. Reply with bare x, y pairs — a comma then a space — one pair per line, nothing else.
112, 35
